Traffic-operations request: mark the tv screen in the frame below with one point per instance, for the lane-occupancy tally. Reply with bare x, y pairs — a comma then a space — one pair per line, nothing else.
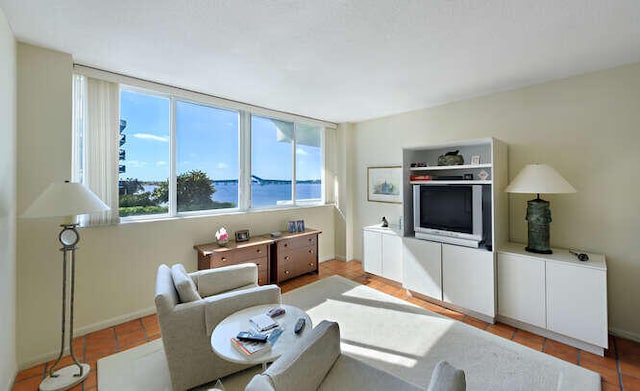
448, 208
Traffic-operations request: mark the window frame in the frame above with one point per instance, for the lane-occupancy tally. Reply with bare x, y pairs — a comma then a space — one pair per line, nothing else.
245, 112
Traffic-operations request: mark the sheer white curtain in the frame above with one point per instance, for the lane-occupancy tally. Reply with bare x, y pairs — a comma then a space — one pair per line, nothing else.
98, 136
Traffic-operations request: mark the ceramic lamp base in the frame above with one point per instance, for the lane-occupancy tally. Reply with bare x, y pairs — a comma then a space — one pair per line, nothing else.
538, 217
66, 378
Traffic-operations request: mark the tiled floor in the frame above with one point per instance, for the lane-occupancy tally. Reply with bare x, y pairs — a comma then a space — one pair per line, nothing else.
619, 368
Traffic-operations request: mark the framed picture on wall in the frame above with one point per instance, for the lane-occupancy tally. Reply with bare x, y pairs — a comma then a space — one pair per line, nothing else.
384, 184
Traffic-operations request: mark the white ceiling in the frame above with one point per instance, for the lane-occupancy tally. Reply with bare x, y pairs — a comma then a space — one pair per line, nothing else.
336, 60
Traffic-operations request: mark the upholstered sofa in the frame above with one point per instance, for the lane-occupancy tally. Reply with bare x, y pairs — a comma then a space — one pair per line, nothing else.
189, 307
316, 363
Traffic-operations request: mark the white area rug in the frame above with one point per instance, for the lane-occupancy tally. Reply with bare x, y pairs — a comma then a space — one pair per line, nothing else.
388, 333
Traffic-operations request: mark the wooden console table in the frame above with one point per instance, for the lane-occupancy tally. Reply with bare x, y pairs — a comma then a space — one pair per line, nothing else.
278, 259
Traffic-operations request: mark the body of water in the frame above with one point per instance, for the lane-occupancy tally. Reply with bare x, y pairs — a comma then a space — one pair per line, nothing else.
262, 195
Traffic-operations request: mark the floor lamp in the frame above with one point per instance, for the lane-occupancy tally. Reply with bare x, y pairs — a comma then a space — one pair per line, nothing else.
536, 179
66, 199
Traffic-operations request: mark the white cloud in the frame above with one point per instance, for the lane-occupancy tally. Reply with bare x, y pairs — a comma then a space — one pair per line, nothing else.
135, 163
222, 165
147, 136
300, 151
161, 163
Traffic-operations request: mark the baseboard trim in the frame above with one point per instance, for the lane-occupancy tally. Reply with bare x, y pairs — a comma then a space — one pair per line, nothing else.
84, 331
625, 334
341, 257
576, 343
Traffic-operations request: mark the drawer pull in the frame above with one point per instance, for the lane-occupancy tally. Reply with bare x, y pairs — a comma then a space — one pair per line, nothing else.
224, 259
311, 239
286, 272
310, 251
286, 258
259, 251
286, 245
311, 264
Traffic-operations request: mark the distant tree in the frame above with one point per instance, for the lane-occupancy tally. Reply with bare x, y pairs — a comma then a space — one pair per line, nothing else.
130, 186
194, 190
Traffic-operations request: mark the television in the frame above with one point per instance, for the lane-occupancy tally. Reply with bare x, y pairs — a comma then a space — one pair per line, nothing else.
448, 213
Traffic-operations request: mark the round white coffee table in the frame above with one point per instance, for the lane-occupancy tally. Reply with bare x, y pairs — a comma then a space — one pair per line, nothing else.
239, 321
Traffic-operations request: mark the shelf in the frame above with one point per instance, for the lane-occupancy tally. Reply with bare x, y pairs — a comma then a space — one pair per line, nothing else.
454, 182
459, 167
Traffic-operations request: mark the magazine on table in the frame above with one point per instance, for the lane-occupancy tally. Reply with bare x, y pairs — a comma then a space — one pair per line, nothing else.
263, 322
251, 348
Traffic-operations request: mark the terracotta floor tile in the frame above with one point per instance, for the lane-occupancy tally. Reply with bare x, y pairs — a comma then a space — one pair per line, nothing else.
101, 337
131, 339
525, 335
38, 370
630, 383
608, 362
128, 327
30, 384
609, 375
566, 356
610, 387
150, 320
154, 337
630, 365
535, 345
562, 351
482, 325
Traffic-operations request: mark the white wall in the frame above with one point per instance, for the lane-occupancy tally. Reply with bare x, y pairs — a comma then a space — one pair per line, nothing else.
587, 127
8, 364
116, 265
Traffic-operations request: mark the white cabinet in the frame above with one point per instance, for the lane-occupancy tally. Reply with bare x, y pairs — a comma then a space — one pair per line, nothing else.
577, 302
383, 252
372, 252
452, 274
468, 278
521, 289
423, 267
555, 293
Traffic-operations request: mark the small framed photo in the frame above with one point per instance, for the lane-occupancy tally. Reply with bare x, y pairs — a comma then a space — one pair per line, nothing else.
300, 225
292, 226
475, 160
242, 235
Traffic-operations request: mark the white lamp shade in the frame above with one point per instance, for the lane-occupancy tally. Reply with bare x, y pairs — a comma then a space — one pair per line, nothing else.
539, 178
65, 199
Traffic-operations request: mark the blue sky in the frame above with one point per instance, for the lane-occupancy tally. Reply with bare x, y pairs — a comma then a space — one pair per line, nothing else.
206, 140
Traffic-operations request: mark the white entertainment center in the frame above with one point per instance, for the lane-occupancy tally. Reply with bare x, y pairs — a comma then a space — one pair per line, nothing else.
492, 278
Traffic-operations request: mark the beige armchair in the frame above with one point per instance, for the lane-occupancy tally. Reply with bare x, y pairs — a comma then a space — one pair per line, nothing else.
189, 307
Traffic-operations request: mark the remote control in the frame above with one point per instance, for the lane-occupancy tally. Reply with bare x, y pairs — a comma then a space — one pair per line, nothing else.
299, 325
275, 312
251, 337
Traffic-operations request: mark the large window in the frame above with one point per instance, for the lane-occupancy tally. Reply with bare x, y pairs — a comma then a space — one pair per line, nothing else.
145, 137
207, 157
286, 162
185, 156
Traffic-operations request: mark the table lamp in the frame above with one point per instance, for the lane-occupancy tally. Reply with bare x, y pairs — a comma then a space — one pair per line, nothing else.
65, 199
536, 179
